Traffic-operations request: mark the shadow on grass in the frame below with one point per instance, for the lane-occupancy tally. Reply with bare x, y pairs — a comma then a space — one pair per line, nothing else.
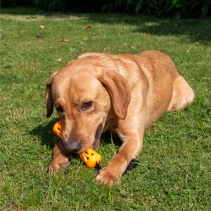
195, 30
45, 133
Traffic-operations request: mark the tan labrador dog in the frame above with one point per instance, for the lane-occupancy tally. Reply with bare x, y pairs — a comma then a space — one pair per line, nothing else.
123, 93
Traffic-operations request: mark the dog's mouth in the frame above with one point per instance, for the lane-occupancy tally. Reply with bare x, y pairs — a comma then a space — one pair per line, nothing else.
97, 136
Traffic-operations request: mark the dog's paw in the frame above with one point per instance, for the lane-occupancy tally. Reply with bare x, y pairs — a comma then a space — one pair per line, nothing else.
107, 177
55, 167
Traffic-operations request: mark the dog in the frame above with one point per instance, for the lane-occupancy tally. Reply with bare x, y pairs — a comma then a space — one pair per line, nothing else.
123, 93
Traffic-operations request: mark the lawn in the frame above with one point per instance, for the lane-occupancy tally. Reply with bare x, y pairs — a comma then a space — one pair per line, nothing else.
174, 171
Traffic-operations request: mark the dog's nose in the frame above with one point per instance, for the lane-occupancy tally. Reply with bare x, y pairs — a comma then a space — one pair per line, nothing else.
72, 146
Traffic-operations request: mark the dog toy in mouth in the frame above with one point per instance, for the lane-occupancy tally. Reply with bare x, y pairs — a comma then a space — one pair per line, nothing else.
90, 157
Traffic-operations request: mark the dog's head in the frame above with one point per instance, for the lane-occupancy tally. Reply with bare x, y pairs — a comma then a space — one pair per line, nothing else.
85, 93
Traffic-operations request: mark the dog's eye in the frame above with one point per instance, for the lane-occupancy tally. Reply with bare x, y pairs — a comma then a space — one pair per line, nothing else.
59, 109
85, 106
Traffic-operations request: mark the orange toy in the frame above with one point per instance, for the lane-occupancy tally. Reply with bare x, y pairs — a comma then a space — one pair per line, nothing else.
57, 128
90, 157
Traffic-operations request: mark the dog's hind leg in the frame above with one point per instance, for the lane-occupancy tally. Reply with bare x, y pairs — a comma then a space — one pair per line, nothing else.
182, 95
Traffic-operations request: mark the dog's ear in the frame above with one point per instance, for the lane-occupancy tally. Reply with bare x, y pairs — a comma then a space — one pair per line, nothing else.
48, 96
119, 91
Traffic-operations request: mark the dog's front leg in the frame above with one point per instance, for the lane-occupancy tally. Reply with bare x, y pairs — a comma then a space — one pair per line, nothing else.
60, 157
131, 147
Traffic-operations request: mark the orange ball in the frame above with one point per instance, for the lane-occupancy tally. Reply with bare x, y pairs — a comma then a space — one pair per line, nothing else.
57, 128
91, 158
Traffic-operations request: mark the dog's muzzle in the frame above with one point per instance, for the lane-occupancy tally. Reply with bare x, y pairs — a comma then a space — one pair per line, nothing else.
72, 146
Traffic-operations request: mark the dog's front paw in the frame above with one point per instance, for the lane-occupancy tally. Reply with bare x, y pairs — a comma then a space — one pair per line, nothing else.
108, 177
55, 167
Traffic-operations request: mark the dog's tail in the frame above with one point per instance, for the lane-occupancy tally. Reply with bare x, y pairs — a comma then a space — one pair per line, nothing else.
182, 96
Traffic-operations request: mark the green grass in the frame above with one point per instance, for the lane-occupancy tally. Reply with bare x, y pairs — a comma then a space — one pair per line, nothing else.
174, 171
